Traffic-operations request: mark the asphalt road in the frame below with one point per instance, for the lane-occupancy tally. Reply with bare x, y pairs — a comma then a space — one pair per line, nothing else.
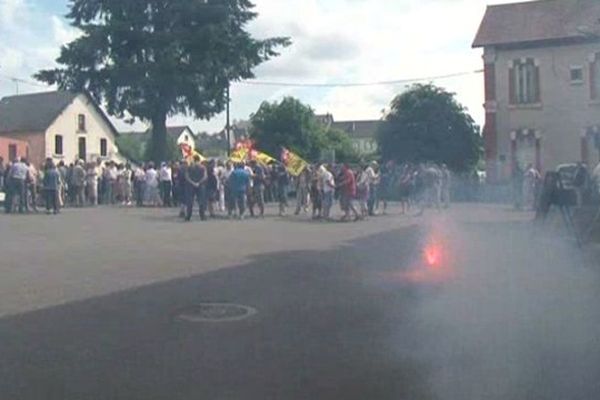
456, 305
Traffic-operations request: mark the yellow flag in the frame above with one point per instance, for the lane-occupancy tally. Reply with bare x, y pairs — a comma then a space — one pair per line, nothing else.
262, 158
239, 156
293, 162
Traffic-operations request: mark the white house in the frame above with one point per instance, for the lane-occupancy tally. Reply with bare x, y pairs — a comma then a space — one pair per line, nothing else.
64, 126
542, 84
182, 135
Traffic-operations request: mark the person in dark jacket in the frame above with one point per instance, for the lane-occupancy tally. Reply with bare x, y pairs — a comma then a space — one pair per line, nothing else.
195, 188
51, 185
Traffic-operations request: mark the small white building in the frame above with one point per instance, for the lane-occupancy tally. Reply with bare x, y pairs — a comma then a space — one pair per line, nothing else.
64, 126
542, 84
182, 135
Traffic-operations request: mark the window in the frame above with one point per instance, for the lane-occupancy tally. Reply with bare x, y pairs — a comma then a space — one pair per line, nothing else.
81, 123
82, 149
103, 148
576, 75
12, 152
58, 145
524, 82
595, 76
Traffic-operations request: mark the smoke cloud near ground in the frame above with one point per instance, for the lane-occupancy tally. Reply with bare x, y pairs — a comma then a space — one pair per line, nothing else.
518, 318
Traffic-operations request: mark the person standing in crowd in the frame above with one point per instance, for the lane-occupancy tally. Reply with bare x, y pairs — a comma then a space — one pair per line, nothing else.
302, 190
219, 172
126, 176
195, 178
108, 177
78, 181
91, 178
229, 196
581, 182
316, 194
374, 178
405, 184
175, 170
347, 188
531, 182
240, 184
212, 188
139, 179
362, 190
152, 186
446, 182
166, 177
63, 189
328, 187
51, 185
18, 184
388, 183
32, 185
282, 179
258, 189
181, 185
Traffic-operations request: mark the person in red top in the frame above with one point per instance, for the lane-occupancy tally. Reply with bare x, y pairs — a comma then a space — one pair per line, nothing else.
348, 193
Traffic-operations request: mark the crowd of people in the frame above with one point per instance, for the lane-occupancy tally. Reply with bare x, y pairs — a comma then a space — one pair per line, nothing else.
224, 188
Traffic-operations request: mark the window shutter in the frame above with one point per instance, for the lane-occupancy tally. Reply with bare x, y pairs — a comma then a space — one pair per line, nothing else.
512, 93
537, 82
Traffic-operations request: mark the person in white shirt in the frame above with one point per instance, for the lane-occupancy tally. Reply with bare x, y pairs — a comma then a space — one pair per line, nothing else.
18, 183
374, 179
91, 179
152, 183
327, 183
220, 173
139, 185
166, 184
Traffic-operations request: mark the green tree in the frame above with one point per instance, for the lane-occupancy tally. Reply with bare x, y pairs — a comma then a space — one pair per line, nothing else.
426, 123
292, 124
155, 58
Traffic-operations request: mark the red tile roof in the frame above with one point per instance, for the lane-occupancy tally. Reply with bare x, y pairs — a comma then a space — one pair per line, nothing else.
539, 21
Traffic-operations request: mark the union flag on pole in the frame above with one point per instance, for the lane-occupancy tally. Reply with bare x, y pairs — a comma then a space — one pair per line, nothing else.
293, 162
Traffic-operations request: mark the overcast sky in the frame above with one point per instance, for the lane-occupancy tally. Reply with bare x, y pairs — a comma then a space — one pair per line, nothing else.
334, 41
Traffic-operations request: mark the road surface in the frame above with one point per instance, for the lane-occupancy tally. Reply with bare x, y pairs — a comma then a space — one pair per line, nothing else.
465, 304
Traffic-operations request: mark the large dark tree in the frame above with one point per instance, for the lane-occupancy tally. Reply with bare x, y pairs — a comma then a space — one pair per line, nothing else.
155, 58
292, 124
426, 123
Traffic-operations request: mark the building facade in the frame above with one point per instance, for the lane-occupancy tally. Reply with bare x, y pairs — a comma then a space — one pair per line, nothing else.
11, 149
542, 84
362, 134
63, 126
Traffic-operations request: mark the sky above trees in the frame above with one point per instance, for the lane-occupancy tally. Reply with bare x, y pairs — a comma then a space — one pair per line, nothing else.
334, 41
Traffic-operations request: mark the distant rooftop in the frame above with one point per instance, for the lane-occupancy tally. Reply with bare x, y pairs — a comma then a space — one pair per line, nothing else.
539, 21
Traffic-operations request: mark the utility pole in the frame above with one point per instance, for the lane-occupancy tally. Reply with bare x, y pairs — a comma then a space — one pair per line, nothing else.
228, 124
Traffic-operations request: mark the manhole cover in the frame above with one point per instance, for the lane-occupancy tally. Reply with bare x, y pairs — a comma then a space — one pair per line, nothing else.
215, 312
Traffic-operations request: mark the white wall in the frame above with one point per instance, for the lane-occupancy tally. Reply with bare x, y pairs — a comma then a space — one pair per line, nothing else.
566, 109
67, 126
187, 137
